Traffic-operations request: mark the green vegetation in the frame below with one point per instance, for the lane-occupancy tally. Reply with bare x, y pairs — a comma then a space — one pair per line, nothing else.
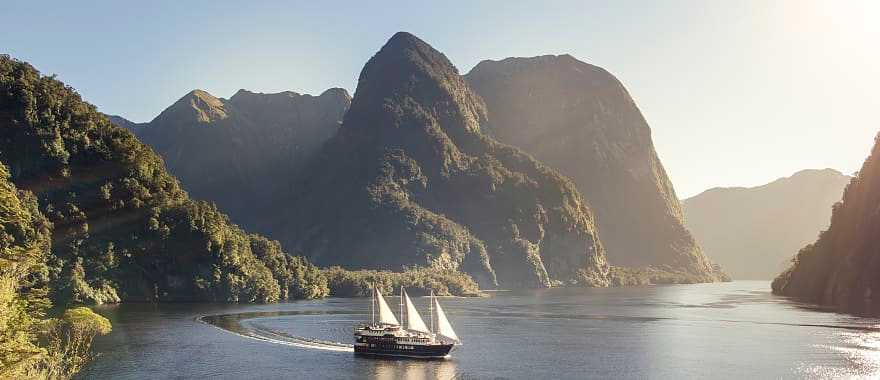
32, 345
89, 215
840, 269
123, 228
656, 275
410, 180
418, 281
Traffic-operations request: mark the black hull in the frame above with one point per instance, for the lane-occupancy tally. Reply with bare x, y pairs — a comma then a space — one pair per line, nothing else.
436, 351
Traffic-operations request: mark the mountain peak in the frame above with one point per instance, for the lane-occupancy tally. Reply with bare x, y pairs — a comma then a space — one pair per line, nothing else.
564, 67
411, 171
407, 72
197, 106
404, 51
336, 92
827, 172
404, 38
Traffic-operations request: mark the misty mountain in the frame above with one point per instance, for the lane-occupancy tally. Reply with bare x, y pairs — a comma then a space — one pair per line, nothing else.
242, 152
410, 180
840, 268
579, 119
753, 232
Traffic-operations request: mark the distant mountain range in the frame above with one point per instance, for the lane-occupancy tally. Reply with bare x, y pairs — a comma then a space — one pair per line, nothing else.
580, 120
242, 152
840, 269
419, 174
754, 232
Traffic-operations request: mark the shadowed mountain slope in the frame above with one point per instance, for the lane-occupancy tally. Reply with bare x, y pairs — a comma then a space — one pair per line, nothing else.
242, 152
410, 179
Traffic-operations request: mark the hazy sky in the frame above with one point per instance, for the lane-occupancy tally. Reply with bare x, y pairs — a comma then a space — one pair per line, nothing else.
737, 93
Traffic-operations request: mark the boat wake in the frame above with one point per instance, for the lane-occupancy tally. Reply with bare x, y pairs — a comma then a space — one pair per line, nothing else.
236, 324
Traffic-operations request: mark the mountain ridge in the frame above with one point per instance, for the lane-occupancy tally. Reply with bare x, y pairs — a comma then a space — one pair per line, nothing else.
413, 175
579, 119
739, 226
241, 152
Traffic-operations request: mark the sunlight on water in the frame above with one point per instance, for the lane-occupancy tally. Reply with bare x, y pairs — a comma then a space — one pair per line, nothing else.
861, 352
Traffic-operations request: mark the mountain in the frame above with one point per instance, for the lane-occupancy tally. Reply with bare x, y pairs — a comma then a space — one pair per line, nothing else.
579, 119
740, 227
122, 229
36, 341
840, 268
120, 121
410, 180
241, 152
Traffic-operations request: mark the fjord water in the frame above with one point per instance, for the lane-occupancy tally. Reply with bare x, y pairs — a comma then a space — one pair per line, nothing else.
723, 330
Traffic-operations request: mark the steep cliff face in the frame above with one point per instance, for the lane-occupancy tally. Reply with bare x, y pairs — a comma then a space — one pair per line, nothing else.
579, 119
739, 227
242, 152
410, 180
841, 268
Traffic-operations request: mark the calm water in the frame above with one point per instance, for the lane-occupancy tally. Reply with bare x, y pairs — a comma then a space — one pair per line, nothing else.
733, 330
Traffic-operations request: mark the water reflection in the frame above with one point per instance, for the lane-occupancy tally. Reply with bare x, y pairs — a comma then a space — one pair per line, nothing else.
383, 369
861, 352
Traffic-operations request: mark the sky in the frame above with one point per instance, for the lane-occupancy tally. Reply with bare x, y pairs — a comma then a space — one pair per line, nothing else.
737, 93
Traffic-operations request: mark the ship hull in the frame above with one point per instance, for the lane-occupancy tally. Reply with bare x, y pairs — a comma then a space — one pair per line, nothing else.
403, 347
434, 351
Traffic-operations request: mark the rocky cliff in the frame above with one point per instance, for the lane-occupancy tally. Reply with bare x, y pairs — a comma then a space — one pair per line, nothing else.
579, 119
410, 179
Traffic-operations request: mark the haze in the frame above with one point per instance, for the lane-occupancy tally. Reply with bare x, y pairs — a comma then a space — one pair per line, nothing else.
755, 89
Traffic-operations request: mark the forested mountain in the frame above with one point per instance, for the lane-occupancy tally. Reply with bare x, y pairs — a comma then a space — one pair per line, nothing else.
410, 179
241, 153
753, 232
841, 268
121, 227
33, 343
579, 119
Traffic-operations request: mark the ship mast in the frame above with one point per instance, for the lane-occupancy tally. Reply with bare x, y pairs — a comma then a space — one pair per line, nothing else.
431, 308
373, 305
402, 321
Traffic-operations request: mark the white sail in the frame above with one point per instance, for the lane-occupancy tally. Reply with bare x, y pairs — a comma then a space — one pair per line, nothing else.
386, 316
413, 319
443, 326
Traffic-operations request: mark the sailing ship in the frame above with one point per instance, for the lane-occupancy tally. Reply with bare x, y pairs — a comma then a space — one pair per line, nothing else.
388, 337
